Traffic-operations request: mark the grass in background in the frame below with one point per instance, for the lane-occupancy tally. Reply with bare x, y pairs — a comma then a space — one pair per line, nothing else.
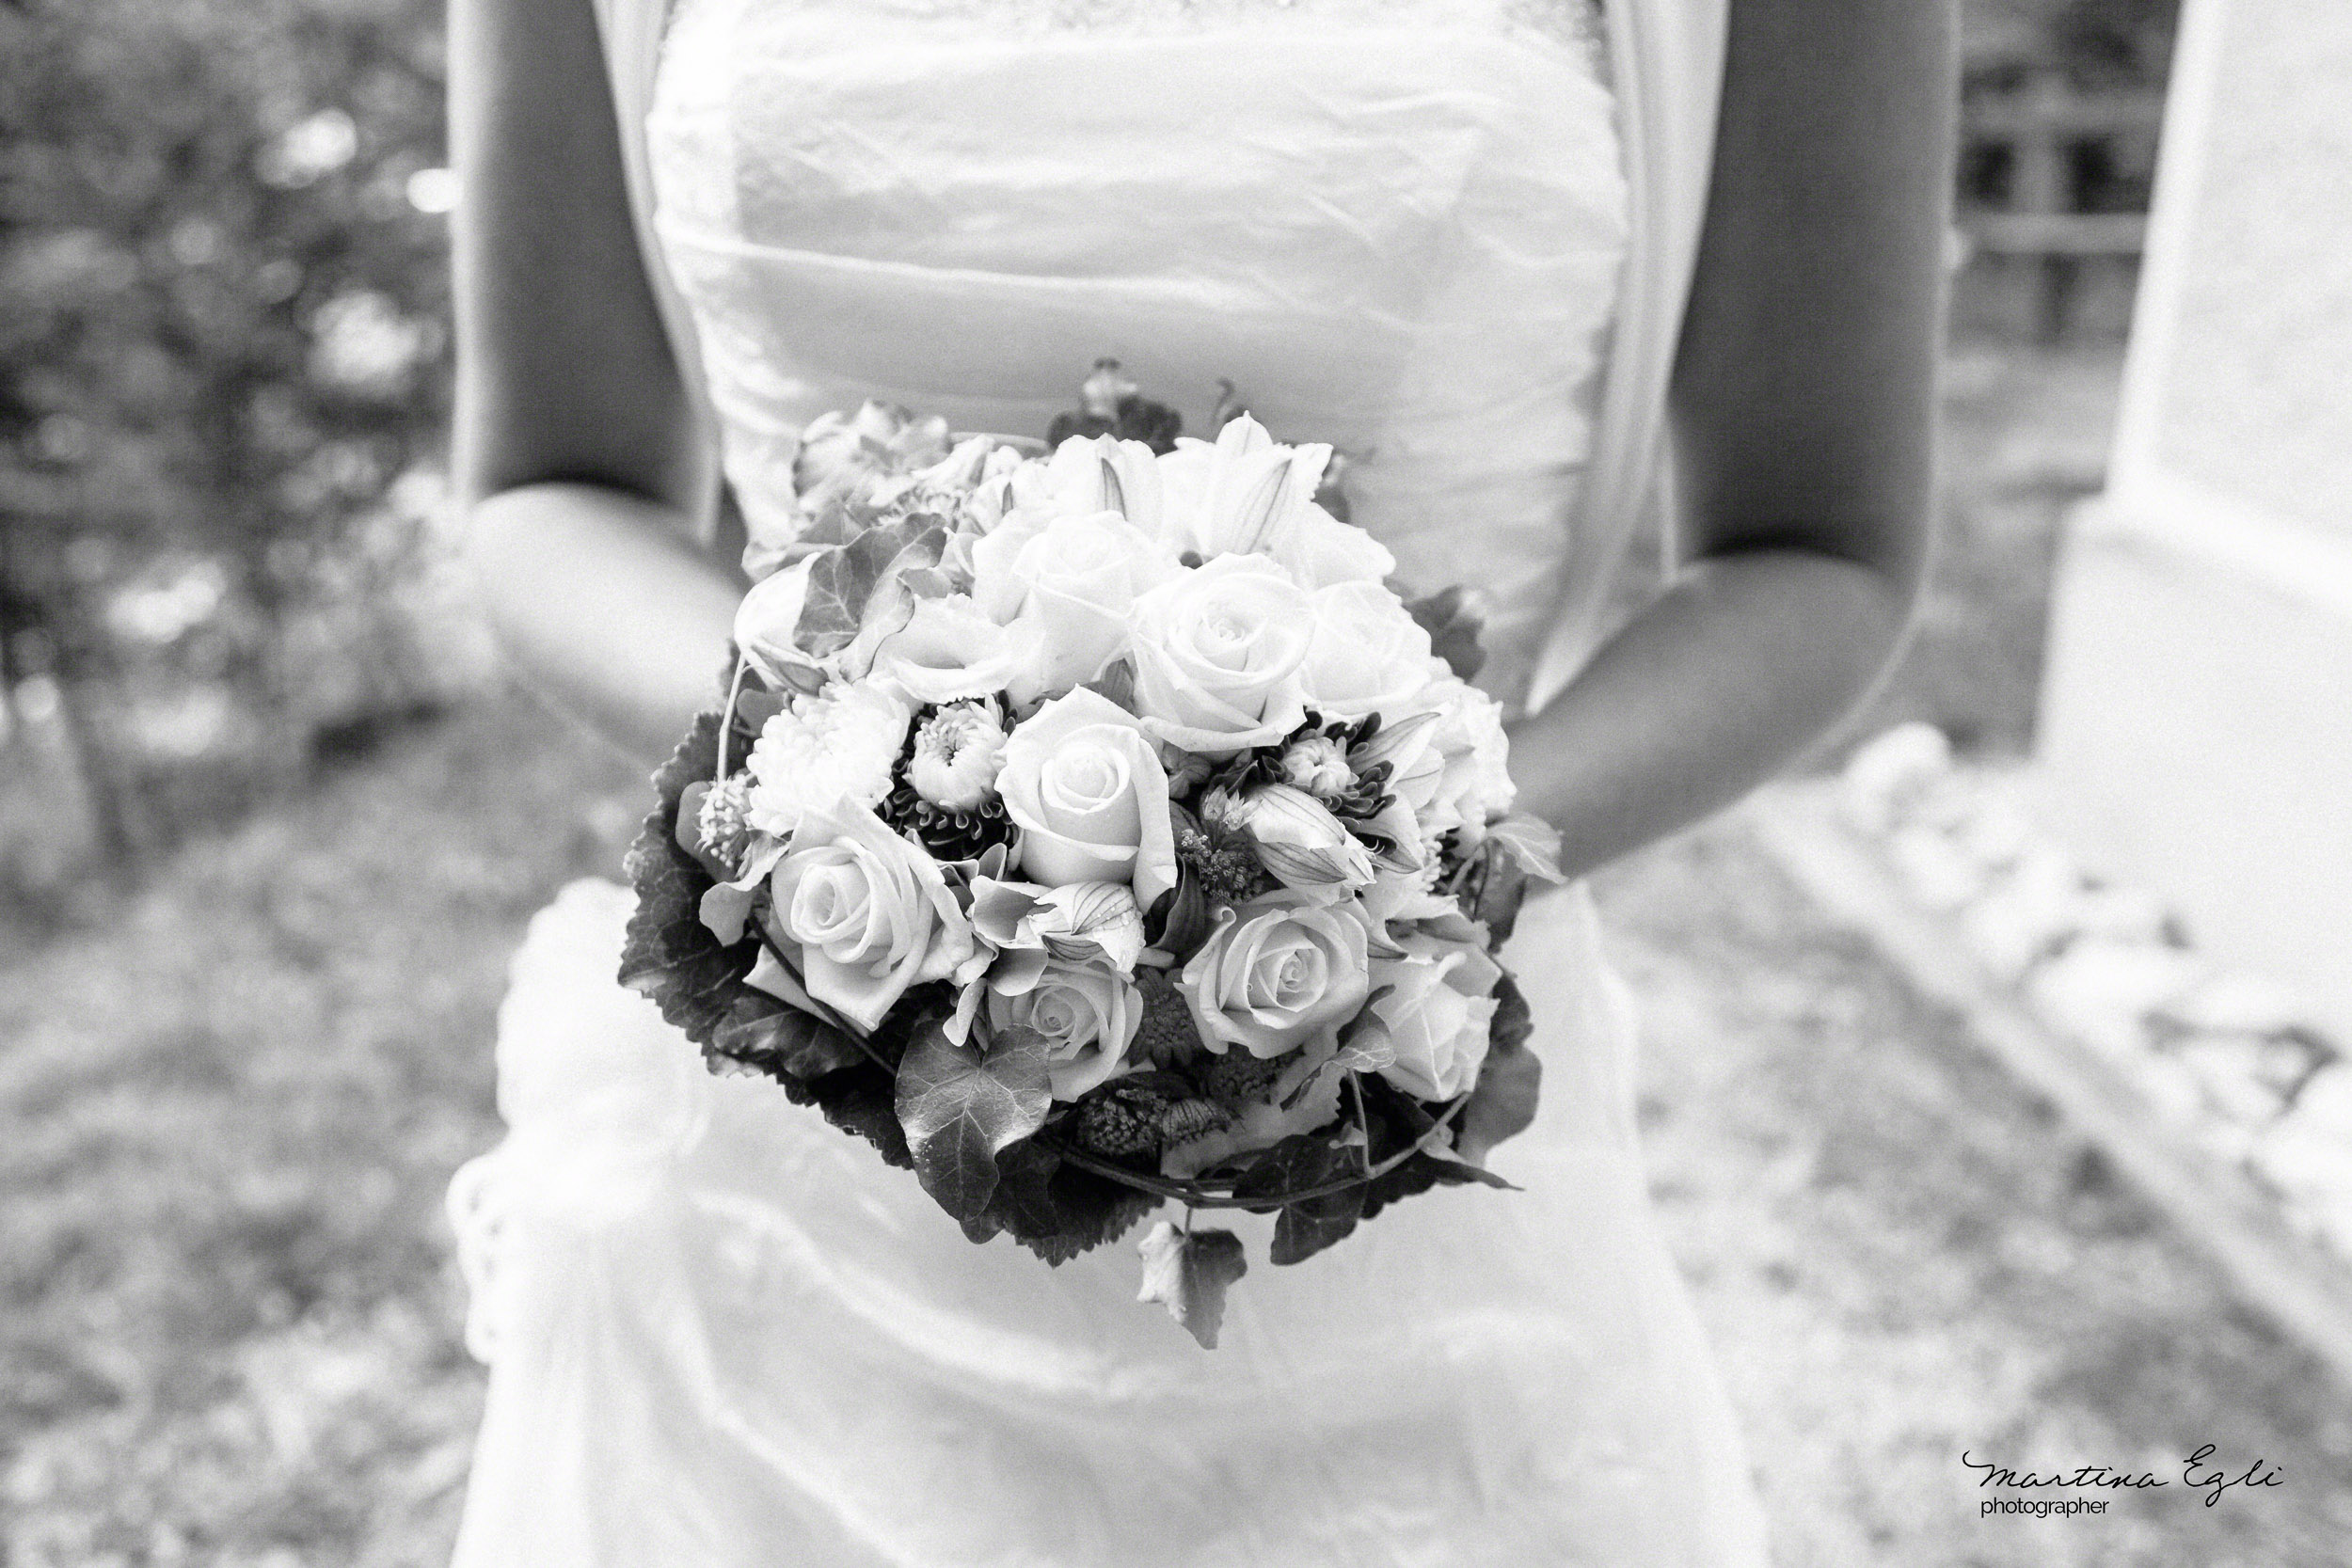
231, 1108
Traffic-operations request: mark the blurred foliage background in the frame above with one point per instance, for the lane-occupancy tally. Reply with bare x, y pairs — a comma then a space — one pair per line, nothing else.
224, 552
223, 309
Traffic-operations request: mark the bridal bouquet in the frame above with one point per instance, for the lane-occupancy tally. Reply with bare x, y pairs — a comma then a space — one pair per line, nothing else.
1093, 826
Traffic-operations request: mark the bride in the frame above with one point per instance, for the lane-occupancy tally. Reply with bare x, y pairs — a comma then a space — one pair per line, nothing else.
1496, 251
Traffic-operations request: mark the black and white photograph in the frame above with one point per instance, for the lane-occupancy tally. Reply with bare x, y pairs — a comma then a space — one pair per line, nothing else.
1175, 783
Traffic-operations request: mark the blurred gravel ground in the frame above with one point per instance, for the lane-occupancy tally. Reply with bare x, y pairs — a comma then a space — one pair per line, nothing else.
1901, 1255
230, 1325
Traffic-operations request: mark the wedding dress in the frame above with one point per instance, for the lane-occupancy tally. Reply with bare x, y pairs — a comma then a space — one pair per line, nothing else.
721, 1333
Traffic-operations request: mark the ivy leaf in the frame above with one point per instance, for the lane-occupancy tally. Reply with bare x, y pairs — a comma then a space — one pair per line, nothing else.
959, 1107
1190, 1271
928, 582
1301, 1161
753, 710
850, 585
667, 953
1532, 843
1024, 1188
1454, 624
782, 1041
1510, 1082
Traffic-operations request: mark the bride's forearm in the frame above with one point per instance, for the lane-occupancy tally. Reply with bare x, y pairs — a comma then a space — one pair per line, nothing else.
606, 604
1743, 661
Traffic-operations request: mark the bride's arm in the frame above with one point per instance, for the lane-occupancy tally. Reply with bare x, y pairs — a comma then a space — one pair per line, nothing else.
575, 455
1803, 411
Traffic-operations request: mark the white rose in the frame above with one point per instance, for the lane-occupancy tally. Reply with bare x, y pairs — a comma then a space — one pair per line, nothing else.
1278, 972
951, 650
1216, 653
1434, 1014
863, 912
1075, 576
1453, 773
1085, 785
1477, 787
1368, 655
822, 751
1088, 1015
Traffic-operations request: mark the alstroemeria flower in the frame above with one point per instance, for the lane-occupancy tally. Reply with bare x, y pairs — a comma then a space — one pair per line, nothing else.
1076, 923
950, 651
1244, 494
847, 456
1301, 843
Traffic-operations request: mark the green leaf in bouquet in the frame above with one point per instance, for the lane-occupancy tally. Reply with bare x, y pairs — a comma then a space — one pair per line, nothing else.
1510, 1082
1394, 1120
1025, 1170
1420, 1172
1454, 624
1495, 894
755, 706
1300, 1163
1460, 1173
863, 1101
960, 1105
688, 834
928, 582
854, 588
1116, 683
667, 953
1190, 1271
1180, 920
1058, 1210
1532, 843
782, 1041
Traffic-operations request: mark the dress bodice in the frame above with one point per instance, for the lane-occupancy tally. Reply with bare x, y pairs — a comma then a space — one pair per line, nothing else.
1393, 225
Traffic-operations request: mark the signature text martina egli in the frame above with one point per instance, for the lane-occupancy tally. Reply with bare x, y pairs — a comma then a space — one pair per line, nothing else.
2200, 1472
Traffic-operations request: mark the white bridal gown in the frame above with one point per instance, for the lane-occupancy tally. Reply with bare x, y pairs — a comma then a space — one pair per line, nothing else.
721, 1333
